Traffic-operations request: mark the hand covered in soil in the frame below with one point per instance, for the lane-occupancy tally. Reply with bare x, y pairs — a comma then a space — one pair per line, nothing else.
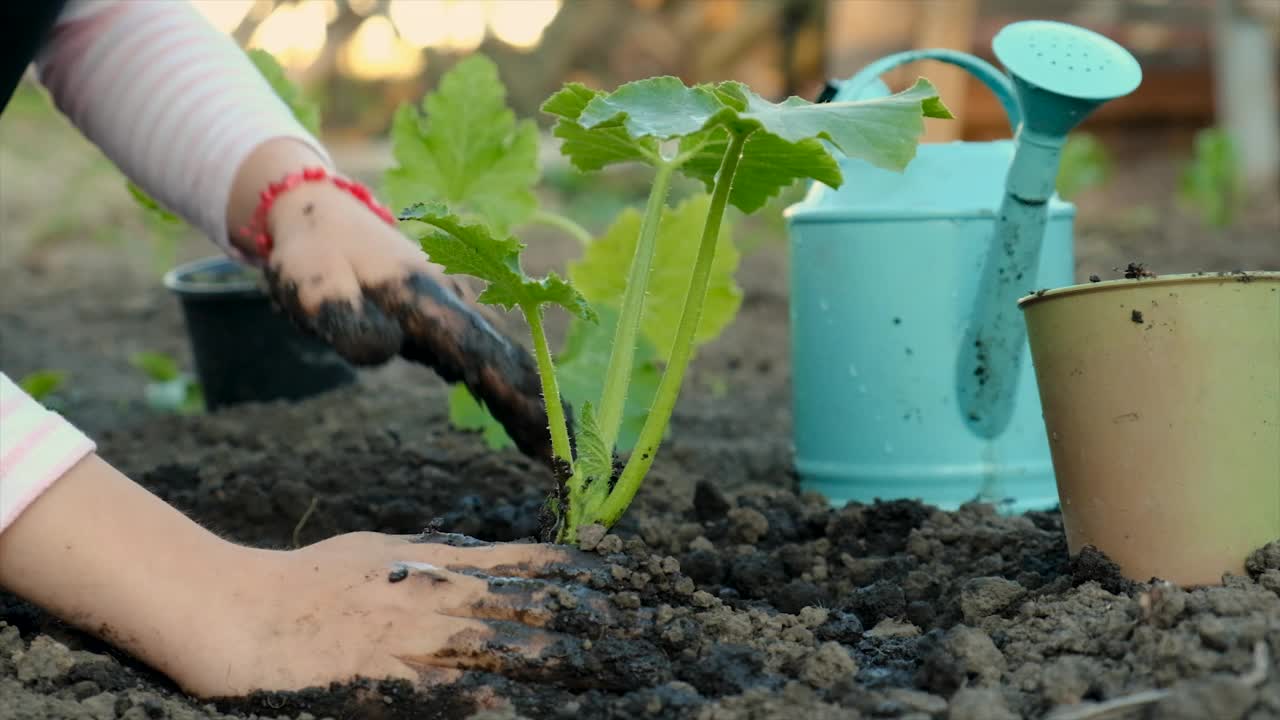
380, 606
222, 619
362, 286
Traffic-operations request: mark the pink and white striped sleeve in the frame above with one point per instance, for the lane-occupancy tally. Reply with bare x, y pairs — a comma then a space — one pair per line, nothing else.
36, 447
173, 102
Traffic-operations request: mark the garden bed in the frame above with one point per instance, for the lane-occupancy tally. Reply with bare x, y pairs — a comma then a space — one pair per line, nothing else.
781, 606
735, 597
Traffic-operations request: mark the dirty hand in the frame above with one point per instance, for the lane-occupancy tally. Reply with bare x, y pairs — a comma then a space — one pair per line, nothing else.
362, 286
380, 606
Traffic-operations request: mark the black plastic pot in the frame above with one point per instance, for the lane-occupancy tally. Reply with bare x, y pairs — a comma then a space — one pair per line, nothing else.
245, 349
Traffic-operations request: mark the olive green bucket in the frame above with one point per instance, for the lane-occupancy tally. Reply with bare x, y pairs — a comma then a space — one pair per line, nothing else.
1161, 401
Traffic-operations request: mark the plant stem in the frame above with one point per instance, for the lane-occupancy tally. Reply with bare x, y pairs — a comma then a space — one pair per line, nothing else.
556, 220
550, 386
622, 357
664, 401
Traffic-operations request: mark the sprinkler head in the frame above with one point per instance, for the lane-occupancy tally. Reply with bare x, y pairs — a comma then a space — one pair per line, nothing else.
1062, 72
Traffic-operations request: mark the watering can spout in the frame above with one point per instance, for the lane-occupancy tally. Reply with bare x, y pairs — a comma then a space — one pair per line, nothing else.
1061, 73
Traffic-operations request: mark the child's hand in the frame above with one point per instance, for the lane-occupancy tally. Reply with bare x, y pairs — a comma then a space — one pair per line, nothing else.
221, 619
365, 288
341, 608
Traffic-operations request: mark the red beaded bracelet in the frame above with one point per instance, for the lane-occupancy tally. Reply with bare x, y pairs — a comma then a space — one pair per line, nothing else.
257, 228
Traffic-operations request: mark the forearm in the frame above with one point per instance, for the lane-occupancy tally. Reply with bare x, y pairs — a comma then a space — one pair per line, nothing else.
173, 102
101, 552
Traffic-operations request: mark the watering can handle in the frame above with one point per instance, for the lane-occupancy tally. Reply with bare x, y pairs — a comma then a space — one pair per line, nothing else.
867, 82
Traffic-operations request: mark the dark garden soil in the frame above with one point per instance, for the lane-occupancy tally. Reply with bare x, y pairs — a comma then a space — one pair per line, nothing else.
733, 596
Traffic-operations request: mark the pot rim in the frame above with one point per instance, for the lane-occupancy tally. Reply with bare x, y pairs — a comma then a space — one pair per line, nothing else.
179, 280
1235, 276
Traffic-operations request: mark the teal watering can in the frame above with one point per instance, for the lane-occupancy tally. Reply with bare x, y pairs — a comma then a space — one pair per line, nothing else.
909, 376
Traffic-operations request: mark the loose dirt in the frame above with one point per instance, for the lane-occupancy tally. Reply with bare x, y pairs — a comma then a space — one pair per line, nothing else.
732, 595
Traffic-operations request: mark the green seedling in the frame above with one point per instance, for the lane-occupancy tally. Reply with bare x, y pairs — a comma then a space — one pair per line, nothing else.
169, 389
43, 385
445, 152
745, 150
1211, 181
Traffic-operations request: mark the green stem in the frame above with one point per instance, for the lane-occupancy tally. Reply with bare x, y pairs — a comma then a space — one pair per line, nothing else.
664, 402
622, 356
550, 387
556, 220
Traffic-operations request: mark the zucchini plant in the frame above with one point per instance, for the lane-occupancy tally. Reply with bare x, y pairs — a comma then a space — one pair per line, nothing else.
743, 148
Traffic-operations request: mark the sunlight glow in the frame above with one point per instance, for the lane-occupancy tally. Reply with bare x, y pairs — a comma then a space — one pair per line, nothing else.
375, 52
384, 45
331, 10
362, 7
261, 9
456, 25
226, 15
294, 33
520, 23
460, 25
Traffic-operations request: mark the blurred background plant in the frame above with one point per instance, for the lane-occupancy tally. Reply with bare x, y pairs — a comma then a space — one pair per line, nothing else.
358, 60
1212, 181
44, 386
1086, 164
168, 388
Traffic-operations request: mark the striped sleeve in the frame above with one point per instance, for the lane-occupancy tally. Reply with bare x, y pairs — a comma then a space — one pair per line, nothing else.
36, 447
173, 102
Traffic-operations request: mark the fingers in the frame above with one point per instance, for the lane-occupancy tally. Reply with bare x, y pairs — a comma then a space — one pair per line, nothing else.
523, 653
483, 645
463, 554
447, 334
536, 596
538, 603
530, 629
321, 293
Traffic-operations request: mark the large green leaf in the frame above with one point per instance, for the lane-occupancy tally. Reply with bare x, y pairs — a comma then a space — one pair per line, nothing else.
466, 149
769, 165
591, 149
471, 249
601, 273
883, 131
661, 107
786, 140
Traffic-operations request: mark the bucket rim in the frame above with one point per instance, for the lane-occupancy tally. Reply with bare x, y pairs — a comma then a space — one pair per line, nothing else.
179, 280
1243, 277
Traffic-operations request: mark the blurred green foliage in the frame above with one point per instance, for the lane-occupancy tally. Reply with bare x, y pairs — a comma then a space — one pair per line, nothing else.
169, 389
304, 109
1211, 181
41, 385
1086, 163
